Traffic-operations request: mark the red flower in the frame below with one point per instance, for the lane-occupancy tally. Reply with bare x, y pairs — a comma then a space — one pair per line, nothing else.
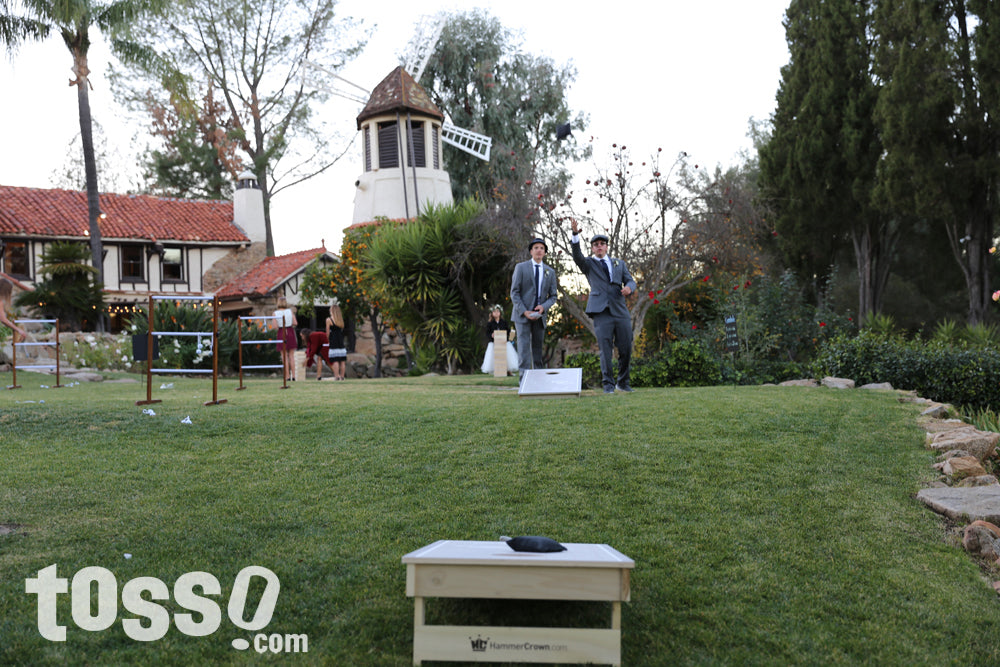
656, 300
705, 279
822, 324
651, 294
694, 326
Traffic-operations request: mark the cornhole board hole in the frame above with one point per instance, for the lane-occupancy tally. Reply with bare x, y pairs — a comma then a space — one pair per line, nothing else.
487, 570
551, 383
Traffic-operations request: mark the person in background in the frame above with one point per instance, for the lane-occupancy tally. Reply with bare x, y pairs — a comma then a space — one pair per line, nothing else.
533, 290
287, 343
498, 323
335, 334
315, 343
610, 284
6, 304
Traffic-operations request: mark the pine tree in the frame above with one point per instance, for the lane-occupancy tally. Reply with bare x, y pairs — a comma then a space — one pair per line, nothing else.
818, 168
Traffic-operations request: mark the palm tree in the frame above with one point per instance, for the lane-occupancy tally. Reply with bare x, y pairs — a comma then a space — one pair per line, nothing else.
68, 291
34, 20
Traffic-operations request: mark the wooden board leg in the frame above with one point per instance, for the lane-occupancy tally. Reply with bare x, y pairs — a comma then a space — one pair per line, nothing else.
418, 624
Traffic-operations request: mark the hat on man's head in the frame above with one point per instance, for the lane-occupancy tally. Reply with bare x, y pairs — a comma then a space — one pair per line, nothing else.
534, 241
599, 237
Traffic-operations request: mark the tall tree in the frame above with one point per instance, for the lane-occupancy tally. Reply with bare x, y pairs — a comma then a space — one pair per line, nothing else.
937, 110
74, 19
482, 80
199, 156
818, 168
671, 225
253, 54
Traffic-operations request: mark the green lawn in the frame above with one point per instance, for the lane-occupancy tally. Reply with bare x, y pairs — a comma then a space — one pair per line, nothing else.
768, 525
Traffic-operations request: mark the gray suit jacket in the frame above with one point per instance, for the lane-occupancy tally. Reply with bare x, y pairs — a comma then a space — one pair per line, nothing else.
522, 290
604, 293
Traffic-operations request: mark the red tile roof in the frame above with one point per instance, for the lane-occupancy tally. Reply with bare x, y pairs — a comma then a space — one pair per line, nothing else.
399, 92
63, 213
269, 274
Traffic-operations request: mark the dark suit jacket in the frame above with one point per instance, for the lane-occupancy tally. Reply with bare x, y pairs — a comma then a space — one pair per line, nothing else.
522, 290
604, 293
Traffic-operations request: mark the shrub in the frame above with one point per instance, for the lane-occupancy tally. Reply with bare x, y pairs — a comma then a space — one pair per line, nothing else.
965, 377
691, 365
590, 363
104, 352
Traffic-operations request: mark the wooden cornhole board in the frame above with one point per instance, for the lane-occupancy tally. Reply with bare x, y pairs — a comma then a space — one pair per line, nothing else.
474, 569
551, 383
499, 354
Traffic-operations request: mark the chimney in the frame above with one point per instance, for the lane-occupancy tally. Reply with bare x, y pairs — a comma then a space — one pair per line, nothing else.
248, 208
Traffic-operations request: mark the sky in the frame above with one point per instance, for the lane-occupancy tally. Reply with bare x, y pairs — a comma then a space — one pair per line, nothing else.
677, 75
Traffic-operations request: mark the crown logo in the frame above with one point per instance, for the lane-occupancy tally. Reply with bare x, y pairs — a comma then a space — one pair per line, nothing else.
479, 644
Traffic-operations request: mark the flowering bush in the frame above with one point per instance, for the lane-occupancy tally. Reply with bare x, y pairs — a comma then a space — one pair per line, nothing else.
105, 352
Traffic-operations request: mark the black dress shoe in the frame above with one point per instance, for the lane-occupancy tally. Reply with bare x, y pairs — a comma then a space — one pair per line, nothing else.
625, 388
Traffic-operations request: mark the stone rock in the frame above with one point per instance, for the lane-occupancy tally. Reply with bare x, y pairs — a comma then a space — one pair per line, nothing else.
979, 480
939, 425
878, 386
963, 466
799, 383
952, 453
964, 504
981, 541
838, 383
988, 526
937, 411
980, 444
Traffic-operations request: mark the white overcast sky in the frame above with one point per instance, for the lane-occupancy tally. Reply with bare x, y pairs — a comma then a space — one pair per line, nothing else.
677, 75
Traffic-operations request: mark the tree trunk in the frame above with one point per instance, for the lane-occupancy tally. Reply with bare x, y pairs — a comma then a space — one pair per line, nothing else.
90, 169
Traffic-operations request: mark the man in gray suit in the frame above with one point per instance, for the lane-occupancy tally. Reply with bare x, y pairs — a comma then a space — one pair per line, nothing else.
610, 282
533, 292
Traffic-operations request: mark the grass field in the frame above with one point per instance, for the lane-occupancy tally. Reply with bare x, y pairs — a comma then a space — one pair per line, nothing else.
768, 525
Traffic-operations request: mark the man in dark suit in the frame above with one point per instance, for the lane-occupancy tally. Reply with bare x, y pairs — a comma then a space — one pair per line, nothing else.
610, 282
533, 292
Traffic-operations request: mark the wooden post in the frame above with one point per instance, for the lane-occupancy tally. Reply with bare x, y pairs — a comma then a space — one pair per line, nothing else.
499, 354
149, 357
58, 385
215, 353
13, 356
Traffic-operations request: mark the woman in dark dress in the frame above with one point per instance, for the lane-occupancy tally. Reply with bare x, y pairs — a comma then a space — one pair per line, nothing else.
335, 334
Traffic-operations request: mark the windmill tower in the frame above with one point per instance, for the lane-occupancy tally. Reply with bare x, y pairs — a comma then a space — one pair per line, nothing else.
402, 132
401, 148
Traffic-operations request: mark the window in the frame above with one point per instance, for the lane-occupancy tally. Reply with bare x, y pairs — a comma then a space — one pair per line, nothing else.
436, 145
15, 259
368, 147
172, 264
132, 264
388, 156
419, 156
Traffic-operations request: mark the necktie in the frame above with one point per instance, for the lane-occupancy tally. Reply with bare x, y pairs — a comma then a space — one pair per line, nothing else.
607, 268
538, 284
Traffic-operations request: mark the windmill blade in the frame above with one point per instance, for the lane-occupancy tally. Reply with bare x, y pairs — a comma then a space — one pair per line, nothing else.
313, 75
471, 142
421, 45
